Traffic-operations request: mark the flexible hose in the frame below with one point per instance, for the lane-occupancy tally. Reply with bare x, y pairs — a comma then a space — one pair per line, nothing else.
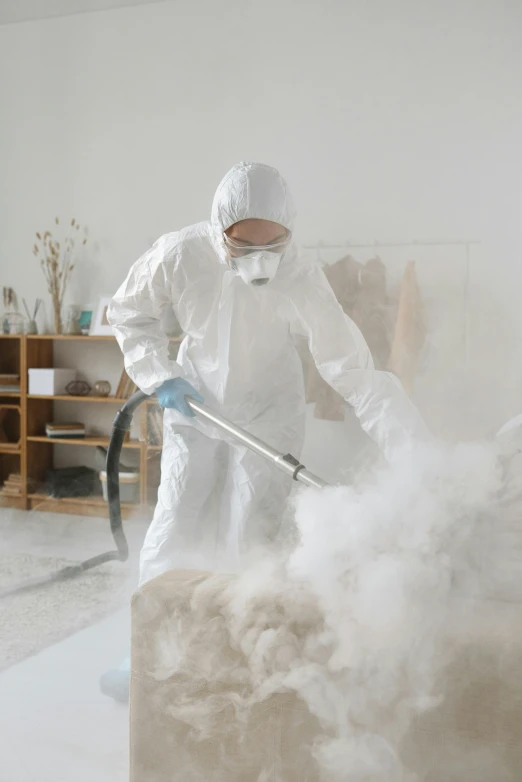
120, 428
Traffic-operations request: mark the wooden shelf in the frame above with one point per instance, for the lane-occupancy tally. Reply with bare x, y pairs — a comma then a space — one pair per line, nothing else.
70, 398
12, 501
8, 448
88, 441
77, 337
154, 447
10, 394
11, 336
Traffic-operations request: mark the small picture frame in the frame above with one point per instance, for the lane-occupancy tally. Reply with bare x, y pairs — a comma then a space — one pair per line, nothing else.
84, 321
100, 326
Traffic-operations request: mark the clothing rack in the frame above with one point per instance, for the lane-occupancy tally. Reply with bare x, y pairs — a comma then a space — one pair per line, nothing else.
377, 243
466, 245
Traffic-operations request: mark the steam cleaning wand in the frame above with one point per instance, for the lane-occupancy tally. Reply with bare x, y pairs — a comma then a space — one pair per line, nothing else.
291, 466
287, 463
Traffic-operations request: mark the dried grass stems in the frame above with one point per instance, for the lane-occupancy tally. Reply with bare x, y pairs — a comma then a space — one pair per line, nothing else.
56, 262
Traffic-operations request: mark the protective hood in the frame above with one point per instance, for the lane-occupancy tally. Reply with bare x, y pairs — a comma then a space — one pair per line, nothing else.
252, 190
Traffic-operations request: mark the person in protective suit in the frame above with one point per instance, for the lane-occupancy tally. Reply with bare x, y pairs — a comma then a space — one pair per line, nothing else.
241, 293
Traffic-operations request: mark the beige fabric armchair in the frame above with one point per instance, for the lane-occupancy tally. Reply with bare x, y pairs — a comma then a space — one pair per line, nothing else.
475, 735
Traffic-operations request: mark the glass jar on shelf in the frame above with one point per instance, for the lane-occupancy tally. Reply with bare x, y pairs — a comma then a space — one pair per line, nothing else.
72, 320
15, 323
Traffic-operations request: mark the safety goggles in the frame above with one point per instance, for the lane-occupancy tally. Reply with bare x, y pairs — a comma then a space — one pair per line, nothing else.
240, 250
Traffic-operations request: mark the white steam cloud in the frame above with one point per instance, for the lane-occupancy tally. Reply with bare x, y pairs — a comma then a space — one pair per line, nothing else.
353, 634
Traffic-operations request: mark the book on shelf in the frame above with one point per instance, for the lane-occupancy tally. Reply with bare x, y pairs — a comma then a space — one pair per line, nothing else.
9, 379
14, 478
9, 383
130, 389
65, 430
126, 387
65, 425
69, 436
73, 435
119, 390
12, 485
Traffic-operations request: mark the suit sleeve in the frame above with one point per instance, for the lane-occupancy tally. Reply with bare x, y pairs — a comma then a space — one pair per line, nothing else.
135, 314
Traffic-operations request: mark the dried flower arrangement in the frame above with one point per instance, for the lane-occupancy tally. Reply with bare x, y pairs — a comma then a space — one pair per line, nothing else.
56, 263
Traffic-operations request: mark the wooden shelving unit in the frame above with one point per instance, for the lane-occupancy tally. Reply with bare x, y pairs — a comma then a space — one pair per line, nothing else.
34, 453
12, 455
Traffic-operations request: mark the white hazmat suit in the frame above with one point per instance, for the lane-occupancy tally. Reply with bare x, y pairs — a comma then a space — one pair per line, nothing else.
215, 497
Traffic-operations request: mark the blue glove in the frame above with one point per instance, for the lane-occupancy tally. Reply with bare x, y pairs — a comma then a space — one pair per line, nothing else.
173, 392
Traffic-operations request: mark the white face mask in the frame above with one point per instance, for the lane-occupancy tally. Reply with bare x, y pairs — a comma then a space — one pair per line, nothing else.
257, 268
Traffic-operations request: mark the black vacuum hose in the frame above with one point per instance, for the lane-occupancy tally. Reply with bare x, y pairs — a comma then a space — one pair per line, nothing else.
121, 426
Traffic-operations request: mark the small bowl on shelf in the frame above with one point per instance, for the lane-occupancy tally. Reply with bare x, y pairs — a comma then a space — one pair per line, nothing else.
78, 388
101, 388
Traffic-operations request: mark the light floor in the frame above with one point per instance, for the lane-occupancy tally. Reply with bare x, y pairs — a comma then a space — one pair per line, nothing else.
55, 726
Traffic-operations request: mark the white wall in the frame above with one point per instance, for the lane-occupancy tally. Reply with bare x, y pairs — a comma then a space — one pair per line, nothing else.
390, 120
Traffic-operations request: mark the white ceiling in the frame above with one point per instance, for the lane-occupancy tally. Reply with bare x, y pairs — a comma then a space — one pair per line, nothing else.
12, 11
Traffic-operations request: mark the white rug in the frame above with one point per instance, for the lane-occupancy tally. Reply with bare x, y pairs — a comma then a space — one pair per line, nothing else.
34, 620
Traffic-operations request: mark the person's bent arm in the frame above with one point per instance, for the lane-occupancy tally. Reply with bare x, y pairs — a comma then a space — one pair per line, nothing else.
343, 359
135, 315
